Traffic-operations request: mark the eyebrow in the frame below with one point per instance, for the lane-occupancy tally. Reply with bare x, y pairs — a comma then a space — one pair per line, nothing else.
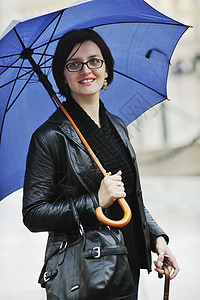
78, 59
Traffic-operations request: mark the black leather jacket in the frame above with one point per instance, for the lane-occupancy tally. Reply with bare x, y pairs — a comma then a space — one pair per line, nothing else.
59, 167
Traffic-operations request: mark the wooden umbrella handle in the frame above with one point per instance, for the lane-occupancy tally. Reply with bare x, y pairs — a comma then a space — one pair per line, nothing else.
99, 213
167, 281
119, 223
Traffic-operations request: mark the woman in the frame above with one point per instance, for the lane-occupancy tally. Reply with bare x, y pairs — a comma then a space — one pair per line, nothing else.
58, 164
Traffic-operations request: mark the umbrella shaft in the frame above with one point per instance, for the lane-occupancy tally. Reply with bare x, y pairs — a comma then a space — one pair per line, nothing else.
42, 77
87, 146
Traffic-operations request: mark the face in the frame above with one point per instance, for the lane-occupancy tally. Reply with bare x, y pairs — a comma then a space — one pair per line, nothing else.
86, 81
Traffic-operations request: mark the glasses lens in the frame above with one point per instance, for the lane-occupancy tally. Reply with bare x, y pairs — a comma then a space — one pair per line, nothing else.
95, 63
74, 66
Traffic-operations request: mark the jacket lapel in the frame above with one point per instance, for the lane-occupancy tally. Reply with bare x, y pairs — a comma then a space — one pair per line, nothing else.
123, 133
66, 127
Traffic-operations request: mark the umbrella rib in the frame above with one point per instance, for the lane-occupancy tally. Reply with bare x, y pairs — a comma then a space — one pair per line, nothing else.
11, 66
44, 52
6, 56
9, 106
13, 80
47, 43
139, 83
139, 22
29, 68
50, 55
46, 60
59, 15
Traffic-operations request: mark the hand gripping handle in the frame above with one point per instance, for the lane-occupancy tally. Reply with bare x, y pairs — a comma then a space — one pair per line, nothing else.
120, 223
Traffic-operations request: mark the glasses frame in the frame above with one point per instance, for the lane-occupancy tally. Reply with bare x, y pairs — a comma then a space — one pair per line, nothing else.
85, 63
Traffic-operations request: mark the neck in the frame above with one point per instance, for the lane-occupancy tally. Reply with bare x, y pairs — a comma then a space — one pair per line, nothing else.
90, 104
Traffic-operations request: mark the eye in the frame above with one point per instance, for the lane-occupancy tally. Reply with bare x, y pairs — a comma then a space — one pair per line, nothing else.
94, 61
74, 65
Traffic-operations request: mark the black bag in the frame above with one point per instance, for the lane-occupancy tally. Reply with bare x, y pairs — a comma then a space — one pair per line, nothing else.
91, 268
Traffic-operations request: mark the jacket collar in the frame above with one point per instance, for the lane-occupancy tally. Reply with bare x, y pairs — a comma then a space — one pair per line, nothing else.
66, 127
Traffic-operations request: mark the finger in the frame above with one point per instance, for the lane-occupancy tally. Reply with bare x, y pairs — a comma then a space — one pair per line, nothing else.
160, 272
160, 260
121, 195
120, 183
175, 272
172, 265
114, 182
116, 177
119, 172
158, 264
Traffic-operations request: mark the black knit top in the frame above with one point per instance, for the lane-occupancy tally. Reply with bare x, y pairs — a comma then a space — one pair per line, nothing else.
114, 156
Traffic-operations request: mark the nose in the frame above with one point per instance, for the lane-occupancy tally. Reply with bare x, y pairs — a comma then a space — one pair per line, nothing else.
85, 69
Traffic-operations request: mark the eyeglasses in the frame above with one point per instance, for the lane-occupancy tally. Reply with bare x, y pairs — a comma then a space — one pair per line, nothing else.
76, 66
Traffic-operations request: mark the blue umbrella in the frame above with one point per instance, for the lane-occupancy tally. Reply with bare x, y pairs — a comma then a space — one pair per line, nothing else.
141, 40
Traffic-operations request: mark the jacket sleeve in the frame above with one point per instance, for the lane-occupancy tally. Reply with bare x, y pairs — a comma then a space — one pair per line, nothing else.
42, 209
154, 230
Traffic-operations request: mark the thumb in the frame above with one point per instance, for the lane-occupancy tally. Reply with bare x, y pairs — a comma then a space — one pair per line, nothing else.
160, 260
119, 172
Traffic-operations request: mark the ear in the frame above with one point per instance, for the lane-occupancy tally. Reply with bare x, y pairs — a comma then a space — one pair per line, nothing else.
106, 75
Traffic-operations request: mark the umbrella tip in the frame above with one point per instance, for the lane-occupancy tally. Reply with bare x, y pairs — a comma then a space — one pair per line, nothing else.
167, 99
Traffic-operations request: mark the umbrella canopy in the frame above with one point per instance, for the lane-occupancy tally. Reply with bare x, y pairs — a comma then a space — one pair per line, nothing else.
141, 40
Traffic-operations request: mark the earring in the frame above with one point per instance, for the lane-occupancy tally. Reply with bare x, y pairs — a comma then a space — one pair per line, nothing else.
105, 85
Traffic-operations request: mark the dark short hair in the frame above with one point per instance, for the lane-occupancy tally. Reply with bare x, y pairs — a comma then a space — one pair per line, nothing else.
66, 45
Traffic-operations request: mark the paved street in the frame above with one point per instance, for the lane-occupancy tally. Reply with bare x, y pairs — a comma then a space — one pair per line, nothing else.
174, 203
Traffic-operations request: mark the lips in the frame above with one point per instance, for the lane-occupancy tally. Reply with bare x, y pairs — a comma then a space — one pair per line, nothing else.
86, 80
